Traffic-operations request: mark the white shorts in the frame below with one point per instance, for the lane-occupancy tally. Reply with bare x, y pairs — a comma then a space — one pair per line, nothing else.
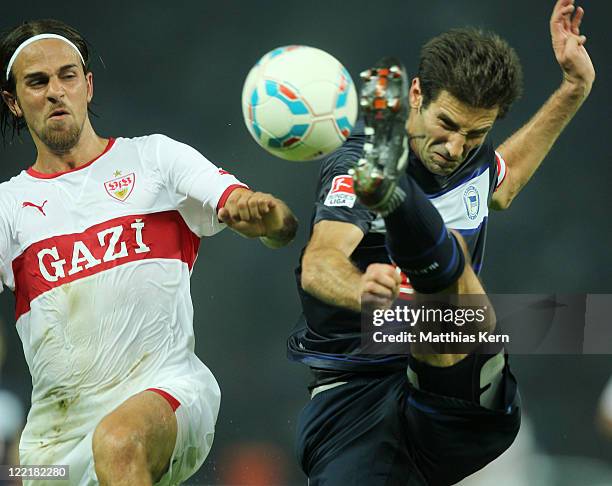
198, 406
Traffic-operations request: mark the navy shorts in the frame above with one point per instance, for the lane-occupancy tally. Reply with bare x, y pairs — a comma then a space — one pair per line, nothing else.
380, 430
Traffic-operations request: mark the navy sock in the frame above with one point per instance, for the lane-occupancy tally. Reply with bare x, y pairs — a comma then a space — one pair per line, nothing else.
419, 243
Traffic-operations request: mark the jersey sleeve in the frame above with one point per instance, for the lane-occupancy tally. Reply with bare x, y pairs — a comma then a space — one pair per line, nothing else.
197, 187
336, 199
5, 243
501, 169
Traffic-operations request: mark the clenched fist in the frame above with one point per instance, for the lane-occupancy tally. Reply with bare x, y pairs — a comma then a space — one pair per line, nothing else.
379, 286
257, 214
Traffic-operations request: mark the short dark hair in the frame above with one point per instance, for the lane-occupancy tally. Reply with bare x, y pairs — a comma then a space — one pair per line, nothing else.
478, 68
9, 43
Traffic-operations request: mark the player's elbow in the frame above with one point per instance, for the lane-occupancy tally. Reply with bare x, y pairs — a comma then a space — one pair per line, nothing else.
503, 200
310, 271
507, 191
500, 205
308, 277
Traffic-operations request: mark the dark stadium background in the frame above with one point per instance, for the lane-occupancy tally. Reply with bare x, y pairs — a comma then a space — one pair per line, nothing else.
177, 68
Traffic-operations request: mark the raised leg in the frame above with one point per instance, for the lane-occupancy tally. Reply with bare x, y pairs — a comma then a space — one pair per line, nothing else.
133, 444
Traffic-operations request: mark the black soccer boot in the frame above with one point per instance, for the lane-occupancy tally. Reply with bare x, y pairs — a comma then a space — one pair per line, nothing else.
384, 104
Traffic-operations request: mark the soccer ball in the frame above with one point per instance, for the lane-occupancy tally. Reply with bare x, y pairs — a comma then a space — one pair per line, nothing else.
299, 103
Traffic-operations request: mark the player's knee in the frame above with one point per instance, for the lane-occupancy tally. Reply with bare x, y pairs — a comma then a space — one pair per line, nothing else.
117, 449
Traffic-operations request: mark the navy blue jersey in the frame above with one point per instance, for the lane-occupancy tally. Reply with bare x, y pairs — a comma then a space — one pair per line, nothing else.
328, 336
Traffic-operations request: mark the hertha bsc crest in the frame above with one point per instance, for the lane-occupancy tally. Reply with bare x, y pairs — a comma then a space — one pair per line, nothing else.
121, 187
471, 198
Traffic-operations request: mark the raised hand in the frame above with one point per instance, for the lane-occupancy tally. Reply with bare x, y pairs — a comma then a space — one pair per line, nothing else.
568, 45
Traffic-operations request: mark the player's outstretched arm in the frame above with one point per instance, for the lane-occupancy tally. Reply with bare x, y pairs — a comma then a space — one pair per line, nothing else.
256, 214
525, 149
329, 274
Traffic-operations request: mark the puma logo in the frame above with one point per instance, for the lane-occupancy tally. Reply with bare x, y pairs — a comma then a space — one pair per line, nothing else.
40, 208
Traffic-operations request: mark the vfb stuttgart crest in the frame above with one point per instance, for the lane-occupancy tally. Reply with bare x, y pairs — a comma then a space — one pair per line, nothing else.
471, 198
121, 187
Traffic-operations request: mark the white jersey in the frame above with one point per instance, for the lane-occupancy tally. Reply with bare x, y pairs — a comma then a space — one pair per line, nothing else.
99, 259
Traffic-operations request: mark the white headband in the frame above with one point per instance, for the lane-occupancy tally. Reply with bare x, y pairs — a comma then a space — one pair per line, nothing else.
38, 37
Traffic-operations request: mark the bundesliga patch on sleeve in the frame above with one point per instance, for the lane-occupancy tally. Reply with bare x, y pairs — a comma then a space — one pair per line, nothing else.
341, 192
